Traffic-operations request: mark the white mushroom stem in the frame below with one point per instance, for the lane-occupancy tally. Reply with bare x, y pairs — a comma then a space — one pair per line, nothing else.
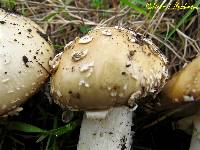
111, 133
186, 124
195, 141
184, 86
191, 123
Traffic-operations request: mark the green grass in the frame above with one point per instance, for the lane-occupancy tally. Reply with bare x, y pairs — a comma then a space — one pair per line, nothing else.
134, 5
182, 20
96, 3
53, 14
41, 134
41, 124
28, 128
84, 29
57, 46
9, 4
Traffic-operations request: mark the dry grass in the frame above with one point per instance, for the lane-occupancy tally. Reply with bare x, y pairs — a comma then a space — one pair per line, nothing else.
66, 20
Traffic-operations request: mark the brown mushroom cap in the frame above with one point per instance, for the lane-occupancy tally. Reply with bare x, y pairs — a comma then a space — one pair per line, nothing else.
184, 86
110, 66
25, 51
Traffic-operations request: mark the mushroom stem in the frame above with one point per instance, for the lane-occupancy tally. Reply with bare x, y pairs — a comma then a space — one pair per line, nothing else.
195, 141
184, 86
186, 124
113, 132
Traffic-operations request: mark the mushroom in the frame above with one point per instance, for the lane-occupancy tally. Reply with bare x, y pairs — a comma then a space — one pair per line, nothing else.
25, 51
184, 86
104, 73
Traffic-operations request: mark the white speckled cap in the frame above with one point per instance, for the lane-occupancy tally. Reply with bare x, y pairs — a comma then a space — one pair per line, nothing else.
111, 66
25, 51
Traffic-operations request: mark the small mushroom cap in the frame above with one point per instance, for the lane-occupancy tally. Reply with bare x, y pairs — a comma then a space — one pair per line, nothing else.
25, 51
184, 86
109, 67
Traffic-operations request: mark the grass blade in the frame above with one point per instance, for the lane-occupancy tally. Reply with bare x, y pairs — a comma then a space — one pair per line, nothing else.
138, 9
24, 127
41, 138
142, 2
56, 46
48, 142
62, 130
51, 15
183, 19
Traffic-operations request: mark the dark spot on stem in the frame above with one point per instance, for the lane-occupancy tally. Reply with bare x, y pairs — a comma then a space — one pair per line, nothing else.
2, 22
123, 141
73, 69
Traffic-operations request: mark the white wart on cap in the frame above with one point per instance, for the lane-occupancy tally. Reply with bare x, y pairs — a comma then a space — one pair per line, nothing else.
25, 51
110, 66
